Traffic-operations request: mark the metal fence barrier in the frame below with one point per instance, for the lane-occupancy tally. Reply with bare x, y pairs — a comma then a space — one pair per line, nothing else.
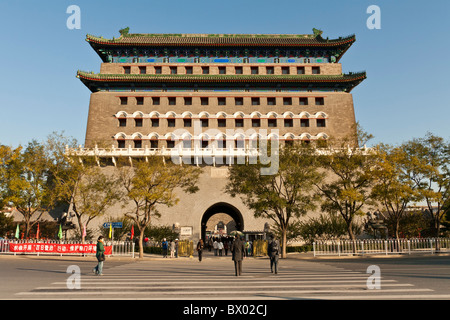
260, 248
119, 248
185, 248
377, 246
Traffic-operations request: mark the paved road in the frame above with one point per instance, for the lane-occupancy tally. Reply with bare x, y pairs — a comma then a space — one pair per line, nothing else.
30, 277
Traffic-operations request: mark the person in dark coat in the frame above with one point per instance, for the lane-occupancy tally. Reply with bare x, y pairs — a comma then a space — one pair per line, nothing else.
273, 250
238, 249
200, 249
100, 255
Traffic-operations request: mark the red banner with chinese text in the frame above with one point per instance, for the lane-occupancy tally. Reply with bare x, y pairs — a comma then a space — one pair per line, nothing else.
56, 248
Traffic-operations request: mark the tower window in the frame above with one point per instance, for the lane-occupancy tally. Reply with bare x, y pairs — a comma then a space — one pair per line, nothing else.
221, 101
158, 70
154, 144
142, 70
321, 123
127, 70
187, 101
303, 101
256, 123
239, 101
254, 70
123, 101
320, 101
239, 123
238, 70
315, 70
271, 101
287, 101
204, 123
221, 123
204, 101
272, 123
300, 70
171, 123
285, 70
304, 123
139, 101
138, 144
269, 70
205, 70
222, 70
156, 101
138, 122
122, 122
189, 70
187, 123
172, 101
173, 70
255, 101
288, 123
170, 144
121, 144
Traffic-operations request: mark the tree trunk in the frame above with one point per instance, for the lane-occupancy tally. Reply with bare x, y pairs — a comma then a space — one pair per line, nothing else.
284, 242
141, 243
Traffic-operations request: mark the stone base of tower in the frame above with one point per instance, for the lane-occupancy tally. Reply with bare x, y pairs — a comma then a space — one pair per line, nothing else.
193, 211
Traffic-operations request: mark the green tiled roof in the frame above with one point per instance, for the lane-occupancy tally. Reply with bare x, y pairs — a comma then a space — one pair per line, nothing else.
218, 78
134, 39
96, 82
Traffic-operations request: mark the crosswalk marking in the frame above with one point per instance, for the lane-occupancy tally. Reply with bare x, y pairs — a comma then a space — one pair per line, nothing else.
181, 281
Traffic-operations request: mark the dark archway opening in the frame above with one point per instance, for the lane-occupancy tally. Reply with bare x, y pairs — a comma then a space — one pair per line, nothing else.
222, 207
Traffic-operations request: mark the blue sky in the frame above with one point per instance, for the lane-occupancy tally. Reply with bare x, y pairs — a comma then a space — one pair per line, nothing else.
407, 62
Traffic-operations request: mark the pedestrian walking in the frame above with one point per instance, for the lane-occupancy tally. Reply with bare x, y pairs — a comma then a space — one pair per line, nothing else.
226, 246
200, 250
273, 250
100, 255
220, 247
238, 250
215, 246
165, 246
246, 246
172, 249
176, 248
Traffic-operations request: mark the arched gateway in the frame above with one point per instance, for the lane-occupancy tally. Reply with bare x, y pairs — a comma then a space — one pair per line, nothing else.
222, 207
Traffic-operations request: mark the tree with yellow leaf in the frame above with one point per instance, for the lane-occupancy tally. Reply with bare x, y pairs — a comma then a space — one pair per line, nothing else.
393, 188
153, 183
349, 171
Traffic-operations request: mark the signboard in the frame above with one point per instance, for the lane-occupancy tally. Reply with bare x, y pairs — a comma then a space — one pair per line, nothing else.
113, 224
186, 231
56, 248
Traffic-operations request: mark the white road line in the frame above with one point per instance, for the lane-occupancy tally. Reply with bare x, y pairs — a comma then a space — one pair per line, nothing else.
279, 283
224, 286
223, 292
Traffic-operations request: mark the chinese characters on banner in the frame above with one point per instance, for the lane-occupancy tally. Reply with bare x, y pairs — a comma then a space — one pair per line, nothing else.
56, 248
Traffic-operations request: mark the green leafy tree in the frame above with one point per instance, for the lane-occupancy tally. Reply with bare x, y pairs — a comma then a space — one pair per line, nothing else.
7, 156
283, 196
429, 169
152, 183
349, 171
323, 227
27, 187
79, 182
393, 188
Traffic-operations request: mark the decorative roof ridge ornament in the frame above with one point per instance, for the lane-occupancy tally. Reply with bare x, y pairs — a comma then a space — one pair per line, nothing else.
317, 33
124, 32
